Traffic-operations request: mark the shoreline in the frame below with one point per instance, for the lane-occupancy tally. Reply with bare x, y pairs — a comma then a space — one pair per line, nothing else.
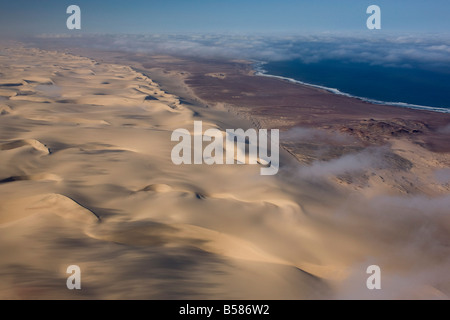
259, 71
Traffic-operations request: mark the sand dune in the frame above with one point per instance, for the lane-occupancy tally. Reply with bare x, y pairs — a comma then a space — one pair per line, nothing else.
27, 142
86, 179
46, 204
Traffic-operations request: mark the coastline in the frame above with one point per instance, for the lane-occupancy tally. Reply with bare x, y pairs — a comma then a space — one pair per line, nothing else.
259, 71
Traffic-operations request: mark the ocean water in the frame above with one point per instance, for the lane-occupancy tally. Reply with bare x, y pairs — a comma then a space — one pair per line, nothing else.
411, 87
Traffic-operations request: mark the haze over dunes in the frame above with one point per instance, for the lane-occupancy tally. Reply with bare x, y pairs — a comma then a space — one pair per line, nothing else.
86, 179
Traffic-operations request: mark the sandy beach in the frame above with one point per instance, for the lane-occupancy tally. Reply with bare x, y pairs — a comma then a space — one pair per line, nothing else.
86, 179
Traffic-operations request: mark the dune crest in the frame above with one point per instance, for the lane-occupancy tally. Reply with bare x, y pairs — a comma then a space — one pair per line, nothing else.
35, 144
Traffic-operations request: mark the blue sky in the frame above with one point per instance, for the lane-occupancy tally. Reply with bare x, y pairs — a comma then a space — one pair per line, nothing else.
235, 16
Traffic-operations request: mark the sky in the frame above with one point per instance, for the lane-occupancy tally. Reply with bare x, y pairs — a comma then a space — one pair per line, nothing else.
28, 17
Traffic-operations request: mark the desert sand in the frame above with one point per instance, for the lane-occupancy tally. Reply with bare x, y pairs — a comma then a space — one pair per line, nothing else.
86, 179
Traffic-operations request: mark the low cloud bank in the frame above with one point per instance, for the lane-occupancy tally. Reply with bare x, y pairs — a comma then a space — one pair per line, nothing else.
398, 51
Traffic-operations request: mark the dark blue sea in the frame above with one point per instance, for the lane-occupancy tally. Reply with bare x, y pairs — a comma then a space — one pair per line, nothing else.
411, 87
